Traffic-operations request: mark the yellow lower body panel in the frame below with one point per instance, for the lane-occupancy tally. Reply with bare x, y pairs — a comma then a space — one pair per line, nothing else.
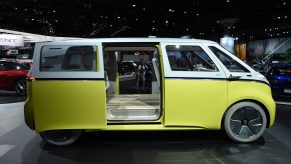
197, 102
69, 105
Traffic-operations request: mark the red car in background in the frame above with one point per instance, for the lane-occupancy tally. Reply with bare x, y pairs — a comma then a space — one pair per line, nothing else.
13, 77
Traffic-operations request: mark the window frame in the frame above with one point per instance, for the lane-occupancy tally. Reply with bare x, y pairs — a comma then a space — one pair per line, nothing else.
188, 60
98, 74
191, 74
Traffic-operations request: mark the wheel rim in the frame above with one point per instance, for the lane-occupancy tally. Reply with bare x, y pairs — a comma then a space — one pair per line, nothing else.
246, 122
61, 137
20, 87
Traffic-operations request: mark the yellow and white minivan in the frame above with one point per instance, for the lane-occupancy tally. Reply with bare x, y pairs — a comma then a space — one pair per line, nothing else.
80, 86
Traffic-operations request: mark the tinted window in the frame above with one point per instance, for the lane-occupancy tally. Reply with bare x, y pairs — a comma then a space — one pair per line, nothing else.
2, 67
68, 58
189, 58
231, 64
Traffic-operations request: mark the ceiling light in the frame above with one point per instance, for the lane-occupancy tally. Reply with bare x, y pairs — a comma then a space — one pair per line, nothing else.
133, 5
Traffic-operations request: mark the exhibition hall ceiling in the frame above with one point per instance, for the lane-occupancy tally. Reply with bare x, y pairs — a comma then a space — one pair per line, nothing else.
208, 19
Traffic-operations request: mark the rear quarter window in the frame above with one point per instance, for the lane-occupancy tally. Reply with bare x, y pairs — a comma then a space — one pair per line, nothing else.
68, 58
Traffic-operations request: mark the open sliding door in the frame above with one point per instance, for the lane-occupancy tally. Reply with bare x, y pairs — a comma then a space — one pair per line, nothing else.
69, 87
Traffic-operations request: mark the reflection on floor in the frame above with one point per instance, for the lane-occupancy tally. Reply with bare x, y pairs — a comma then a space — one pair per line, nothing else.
10, 97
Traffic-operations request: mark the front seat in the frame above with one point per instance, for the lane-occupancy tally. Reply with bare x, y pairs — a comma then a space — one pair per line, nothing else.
156, 69
107, 84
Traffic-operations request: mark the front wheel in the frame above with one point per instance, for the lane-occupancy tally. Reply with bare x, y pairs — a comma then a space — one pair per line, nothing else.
245, 122
61, 137
20, 87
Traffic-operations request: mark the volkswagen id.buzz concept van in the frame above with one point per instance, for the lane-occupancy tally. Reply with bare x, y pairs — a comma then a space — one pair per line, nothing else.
179, 84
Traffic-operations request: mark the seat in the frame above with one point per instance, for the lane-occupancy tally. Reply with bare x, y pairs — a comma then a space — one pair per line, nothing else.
87, 62
156, 69
107, 84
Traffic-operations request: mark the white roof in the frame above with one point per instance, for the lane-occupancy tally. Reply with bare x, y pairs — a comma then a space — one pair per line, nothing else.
145, 40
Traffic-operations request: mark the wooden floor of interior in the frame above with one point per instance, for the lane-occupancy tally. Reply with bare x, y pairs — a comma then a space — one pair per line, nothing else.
133, 101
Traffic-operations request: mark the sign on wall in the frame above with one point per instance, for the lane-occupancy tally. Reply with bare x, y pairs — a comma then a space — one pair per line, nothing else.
11, 40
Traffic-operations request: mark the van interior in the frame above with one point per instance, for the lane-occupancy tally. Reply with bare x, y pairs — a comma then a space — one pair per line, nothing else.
132, 78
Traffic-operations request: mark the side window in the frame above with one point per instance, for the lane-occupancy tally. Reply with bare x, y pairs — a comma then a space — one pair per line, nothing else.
231, 64
189, 58
68, 58
3, 67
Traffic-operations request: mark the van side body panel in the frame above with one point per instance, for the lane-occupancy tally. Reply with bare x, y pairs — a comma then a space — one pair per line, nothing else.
63, 104
199, 103
28, 107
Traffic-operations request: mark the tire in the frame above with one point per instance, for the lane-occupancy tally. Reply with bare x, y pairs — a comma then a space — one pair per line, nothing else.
61, 137
245, 122
20, 87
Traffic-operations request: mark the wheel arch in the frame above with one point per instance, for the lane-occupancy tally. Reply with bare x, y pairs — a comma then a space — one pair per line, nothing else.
249, 100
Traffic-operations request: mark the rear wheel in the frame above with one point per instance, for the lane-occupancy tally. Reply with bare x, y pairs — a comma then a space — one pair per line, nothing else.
20, 87
61, 137
245, 122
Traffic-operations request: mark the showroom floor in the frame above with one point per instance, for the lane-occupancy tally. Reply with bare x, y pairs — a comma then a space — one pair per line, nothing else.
19, 144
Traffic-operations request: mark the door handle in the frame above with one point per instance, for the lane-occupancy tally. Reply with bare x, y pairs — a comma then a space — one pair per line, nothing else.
234, 77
